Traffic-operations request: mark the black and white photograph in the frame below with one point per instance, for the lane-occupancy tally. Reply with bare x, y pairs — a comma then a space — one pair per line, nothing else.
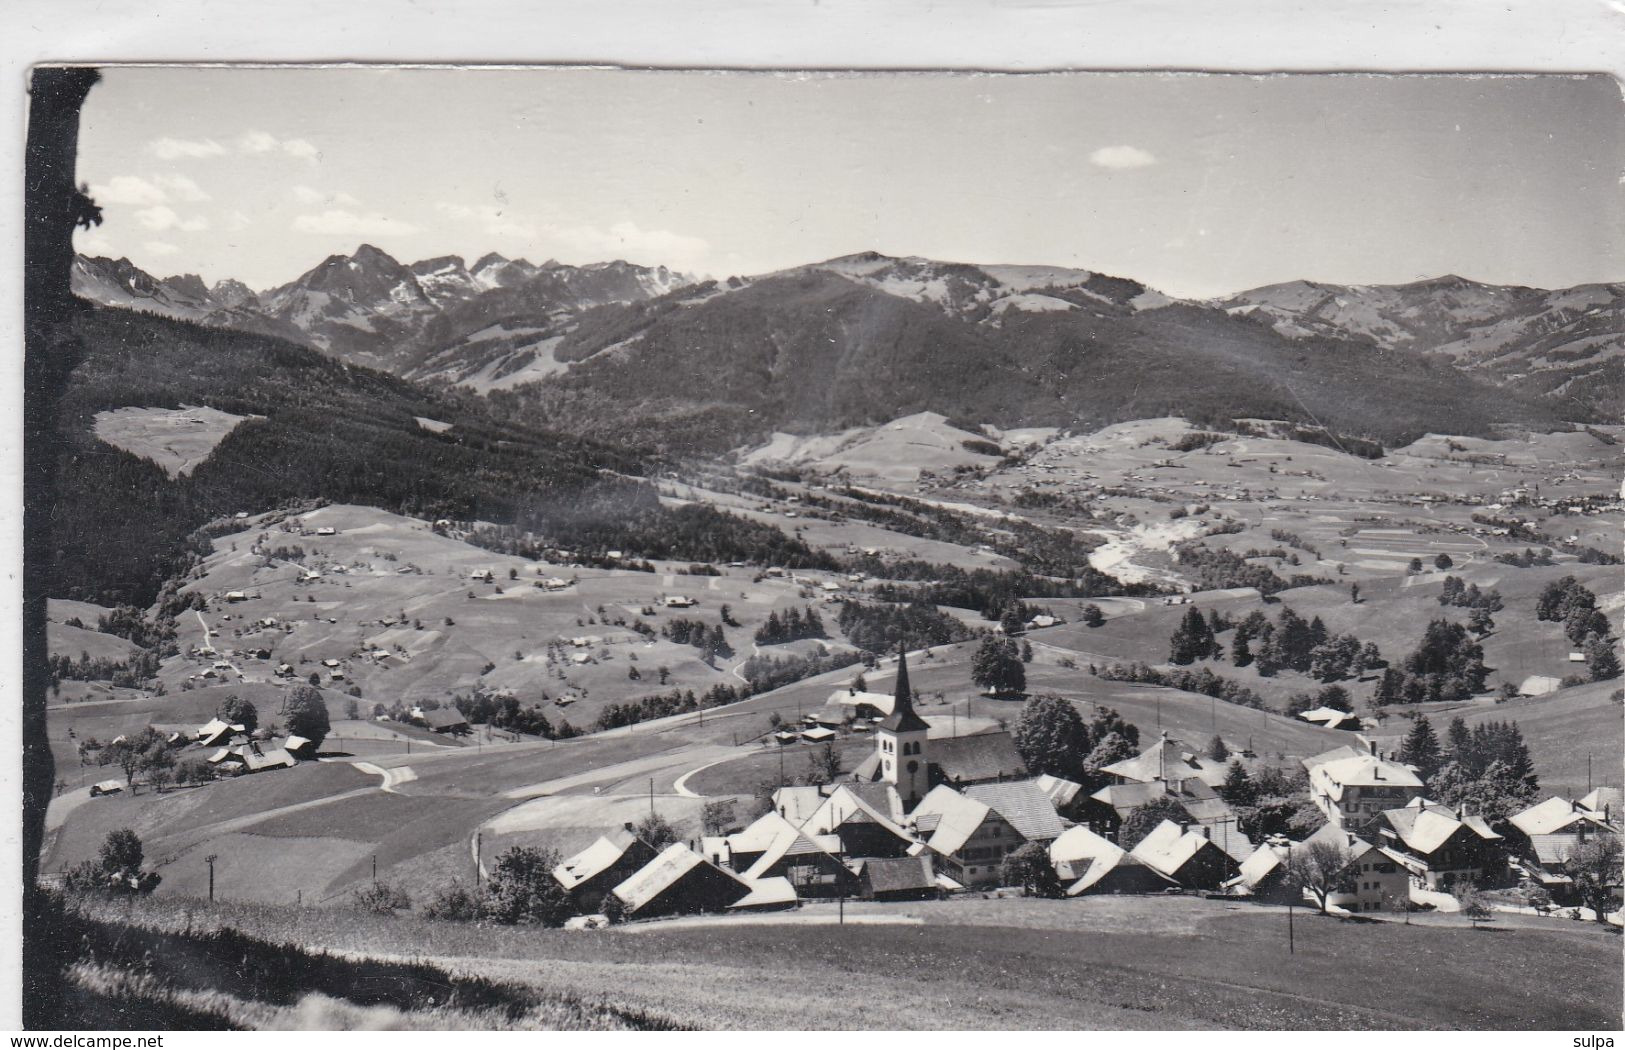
586, 547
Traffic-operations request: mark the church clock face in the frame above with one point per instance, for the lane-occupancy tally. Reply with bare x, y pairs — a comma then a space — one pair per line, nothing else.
913, 766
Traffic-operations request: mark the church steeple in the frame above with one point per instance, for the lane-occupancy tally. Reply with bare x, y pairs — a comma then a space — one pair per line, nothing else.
903, 718
901, 742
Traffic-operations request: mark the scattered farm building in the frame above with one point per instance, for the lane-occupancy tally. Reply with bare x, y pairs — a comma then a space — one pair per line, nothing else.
677, 882
602, 866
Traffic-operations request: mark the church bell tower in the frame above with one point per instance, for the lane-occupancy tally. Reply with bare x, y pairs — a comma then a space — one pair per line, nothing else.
901, 743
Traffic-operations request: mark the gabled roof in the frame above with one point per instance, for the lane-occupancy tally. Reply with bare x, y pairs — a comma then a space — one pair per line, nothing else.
1423, 829
1022, 803
898, 874
789, 841
1331, 717
596, 859
957, 817
1552, 816
444, 718
881, 702
1341, 751
1170, 847
761, 833
277, 758
674, 863
798, 802
1079, 843
1609, 798
1061, 792
1168, 759
1364, 770
985, 756
1260, 865
767, 893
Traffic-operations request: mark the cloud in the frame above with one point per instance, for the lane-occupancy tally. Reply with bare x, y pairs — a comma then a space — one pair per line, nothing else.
238, 220
312, 195
160, 248
498, 222
340, 221
627, 240
1119, 157
262, 142
92, 243
163, 217
174, 149
182, 188
128, 189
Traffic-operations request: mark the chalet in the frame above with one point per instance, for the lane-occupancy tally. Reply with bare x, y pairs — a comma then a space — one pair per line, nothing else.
216, 732
818, 734
326, 530
1439, 846
1352, 791
1539, 685
555, 583
236, 596
864, 817
1331, 718
898, 879
1087, 863
105, 787
860, 704
591, 874
443, 720
1063, 794
257, 761
299, 747
969, 838
1186, 856
797, 803
483, 575
678, 881
1022, 803
680, 601
1545, 836
772, 847
1376, 876
1167, 760
978, 759
1263, 872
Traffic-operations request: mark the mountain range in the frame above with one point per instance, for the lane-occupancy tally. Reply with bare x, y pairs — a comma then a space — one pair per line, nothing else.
619, 350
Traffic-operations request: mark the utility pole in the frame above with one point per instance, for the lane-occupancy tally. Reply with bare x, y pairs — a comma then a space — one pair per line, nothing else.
375, 869
209, 860
1291, 938
476, 859
651, 796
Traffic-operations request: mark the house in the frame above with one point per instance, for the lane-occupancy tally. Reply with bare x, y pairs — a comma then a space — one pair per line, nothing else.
1577, 658
1042, 621
483, 575
860, 704
1352, 791
443, 720
1262, 874
978, 759
798, 802
236, 596
299, 747
772, 847
1167, 759
864, 817
818, 734
1107, 808
1186, 856
216, 732
602, 866
1331, 718
678, 881
1063, 794
326, 530
680, 601
1376, 876
555, 583
1088, 863
105, 787
970, 838
1024, 804
1440, 846
1539, 685
898, 879
1546, 835
257, 761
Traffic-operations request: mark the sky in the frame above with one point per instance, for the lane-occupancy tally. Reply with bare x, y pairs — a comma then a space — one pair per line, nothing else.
1198, 185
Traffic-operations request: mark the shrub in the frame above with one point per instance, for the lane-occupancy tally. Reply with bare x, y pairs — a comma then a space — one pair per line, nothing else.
381, 898
455, 902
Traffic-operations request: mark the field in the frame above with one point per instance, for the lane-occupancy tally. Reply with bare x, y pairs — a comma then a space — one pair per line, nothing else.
1104, 963
177, 439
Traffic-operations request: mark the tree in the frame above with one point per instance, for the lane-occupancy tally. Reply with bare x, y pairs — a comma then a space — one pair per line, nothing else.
1092, 616
523, 891
1192, 640
1216, 749
237, 711
717, 816
1144, 820
1421, 748
1594, 866
1583, 622
1472, 902
1026, 651
1319, 867
306, 714
1480, 622
1109, 749
823, 764
1601, 658
1562, 597
656, 831
1238, 788
1354, 594
996, 666
1442, 562
1029, 867
121, 853
1051, 737
1414, 567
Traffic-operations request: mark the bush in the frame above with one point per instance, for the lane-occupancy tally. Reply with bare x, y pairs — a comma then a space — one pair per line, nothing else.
381, 898
523, 890
455, 902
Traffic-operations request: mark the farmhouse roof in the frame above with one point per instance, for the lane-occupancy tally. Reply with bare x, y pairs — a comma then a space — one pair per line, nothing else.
1022, 803
957, 817
985, 756
898, 874
1423, 829
1339, 752
1364, 770
761, 833
444, 718
674, 864
596, 859
1080, 844
881, 702
1607, 799
1260, 865
798, 802
818, 734
771, 892
277, 758
1170, 847
1552, 816
1061, 792
902, 718
1330, 717
790, 842
1168, 759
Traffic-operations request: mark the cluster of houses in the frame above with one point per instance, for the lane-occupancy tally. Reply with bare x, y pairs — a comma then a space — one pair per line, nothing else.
233, 751
922, 817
